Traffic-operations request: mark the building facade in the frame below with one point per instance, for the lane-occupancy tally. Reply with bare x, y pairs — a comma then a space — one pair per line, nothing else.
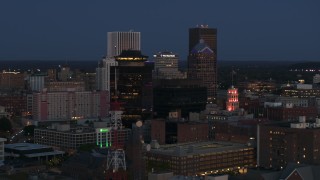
282, 143
131, 84
103, 74
166, 66
105, 137
36, 82
119, 41
178, 94
59, 86
12, 80
209, 35
202, 65
291, 113
65, 137
171, 132
202, 158
67, 105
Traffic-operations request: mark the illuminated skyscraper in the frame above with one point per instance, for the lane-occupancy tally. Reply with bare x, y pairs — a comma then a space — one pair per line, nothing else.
202, 59
133, 86
202, 66
209, 35
119, 41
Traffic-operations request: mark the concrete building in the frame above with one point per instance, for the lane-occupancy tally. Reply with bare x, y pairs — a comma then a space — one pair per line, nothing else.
285, 142
103, 74
36, 82
201, 158
67, 105
65, 137
119, 41
166, 66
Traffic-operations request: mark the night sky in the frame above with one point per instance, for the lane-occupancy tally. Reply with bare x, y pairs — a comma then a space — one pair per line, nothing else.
77, 29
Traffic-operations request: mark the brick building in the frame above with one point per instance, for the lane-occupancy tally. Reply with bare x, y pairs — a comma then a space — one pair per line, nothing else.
170, 132
201, 158
292, 113
281, 143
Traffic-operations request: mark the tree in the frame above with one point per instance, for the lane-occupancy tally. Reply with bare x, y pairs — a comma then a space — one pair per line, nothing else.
5, 124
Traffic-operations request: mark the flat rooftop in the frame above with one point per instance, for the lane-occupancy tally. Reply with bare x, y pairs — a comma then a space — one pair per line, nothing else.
25, 146
198, 148
30, 150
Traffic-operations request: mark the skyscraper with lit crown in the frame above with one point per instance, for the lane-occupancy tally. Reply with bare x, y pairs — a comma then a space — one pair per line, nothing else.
209, 35
202, 66
202, 59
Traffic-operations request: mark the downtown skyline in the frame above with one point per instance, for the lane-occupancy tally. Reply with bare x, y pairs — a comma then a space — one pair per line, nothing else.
77, 30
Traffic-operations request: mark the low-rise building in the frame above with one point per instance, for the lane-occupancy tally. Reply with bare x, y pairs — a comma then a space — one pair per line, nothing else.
32, 151
201, 158
65, 137
68, 137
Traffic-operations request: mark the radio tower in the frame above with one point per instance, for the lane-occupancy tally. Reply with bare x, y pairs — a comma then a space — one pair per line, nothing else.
116, 159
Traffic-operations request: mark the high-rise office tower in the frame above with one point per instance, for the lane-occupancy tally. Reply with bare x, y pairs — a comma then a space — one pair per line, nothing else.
202, 65
209, 35
133, 85
202, 59
103, 74
119, 41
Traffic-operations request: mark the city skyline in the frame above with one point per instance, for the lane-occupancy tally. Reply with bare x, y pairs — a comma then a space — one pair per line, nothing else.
77, 30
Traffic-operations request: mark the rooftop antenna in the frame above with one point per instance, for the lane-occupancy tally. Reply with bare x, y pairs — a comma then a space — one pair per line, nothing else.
232, 73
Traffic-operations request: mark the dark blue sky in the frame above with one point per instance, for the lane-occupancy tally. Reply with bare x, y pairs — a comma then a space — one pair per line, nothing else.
77, 29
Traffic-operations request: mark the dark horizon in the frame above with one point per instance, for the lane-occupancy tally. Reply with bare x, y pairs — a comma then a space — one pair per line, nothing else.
247, 30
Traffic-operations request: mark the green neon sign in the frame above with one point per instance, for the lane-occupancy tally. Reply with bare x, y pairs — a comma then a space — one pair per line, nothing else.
104, 130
